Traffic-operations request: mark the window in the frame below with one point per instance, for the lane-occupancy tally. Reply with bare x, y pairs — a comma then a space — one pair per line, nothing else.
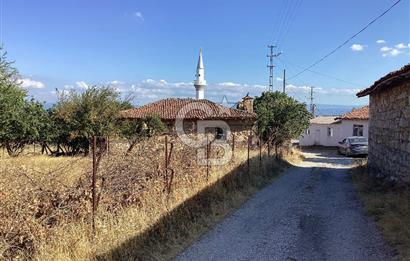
357, 130
220, 134
330, 132
307, 131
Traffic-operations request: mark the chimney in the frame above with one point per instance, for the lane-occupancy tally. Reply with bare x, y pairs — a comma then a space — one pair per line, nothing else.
247, 103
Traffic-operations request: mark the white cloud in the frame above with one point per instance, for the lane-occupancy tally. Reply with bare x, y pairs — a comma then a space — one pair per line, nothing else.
139, 16
229, 84
116, 82
357, 47
385, 49
380, 41
394, 52
401, 46
82, 85
279, 79
303, 89
31, 84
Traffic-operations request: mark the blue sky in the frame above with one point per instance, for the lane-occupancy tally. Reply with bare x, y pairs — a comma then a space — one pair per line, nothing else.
150, 48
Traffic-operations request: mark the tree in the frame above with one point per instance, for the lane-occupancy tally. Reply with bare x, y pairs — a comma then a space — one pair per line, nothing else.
78, 117
136, 130
280, 118
19, 118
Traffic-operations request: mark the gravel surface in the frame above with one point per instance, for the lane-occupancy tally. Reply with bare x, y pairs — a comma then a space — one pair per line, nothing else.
310, 213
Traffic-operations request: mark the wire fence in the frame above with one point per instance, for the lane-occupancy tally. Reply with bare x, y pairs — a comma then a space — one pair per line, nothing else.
163, 171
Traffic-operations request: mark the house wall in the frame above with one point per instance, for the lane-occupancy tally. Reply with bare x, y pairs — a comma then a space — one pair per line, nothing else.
389, 141
241, 129
319, 133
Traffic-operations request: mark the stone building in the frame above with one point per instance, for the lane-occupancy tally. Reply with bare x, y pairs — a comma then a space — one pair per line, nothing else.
221, 121
389, 126
192, 111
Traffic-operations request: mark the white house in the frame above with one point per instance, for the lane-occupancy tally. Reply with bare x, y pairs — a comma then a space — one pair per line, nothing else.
329, 130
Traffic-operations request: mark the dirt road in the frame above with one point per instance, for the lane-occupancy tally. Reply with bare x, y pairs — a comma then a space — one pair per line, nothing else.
310, 213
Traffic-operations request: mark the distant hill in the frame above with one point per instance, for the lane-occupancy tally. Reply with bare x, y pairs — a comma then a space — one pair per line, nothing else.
330, 109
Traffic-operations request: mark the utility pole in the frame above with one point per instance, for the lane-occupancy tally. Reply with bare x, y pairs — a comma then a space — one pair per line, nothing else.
284, 80
271, 66
312, 105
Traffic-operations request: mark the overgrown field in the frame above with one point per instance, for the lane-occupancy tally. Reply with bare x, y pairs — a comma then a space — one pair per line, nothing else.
143, 211
390, 208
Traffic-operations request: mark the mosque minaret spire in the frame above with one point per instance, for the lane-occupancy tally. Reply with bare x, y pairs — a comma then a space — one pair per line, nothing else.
200, 82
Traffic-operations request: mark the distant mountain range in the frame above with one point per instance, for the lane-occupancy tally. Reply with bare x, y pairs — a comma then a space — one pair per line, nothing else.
330, 109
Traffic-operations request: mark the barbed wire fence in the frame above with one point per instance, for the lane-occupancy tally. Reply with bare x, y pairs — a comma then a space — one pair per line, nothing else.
114, 179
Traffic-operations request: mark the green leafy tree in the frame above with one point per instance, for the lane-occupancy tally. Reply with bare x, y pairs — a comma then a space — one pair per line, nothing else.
78, 117
280, 118
20, 122
137, 130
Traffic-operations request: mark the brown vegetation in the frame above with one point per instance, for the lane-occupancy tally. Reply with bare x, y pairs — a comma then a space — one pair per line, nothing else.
389, 206
143, 211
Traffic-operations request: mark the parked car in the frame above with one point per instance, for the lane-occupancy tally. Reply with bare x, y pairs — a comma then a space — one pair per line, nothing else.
355, 145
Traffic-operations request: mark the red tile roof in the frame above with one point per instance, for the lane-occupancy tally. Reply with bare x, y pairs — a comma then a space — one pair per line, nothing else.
390, 80
356, 114
168, 109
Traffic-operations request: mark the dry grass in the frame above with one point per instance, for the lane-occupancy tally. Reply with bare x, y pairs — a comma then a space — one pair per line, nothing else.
389, 207
49, 218
294, 156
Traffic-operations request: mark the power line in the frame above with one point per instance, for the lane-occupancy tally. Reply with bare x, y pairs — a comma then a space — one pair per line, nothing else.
281, 38
279, 19
347, 41
323, 74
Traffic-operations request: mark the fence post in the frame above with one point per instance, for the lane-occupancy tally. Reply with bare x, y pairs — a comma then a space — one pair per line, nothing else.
249, 146
108, 145
94, 202
233, 144
207, 157
166, 155
260, 151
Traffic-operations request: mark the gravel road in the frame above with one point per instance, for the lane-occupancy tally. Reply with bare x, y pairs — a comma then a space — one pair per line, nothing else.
310, 213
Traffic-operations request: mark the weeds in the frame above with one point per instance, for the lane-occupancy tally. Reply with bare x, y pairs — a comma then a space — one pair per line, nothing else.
46, 202
389, 207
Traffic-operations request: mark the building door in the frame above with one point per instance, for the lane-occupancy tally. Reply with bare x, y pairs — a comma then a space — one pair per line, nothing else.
317, 137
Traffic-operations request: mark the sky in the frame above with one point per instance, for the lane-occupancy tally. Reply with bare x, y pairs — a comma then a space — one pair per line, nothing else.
149, 48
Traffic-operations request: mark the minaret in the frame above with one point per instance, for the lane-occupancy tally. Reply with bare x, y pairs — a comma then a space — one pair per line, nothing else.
200, 82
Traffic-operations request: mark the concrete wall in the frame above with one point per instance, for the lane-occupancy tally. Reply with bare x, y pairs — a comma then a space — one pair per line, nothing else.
318, 134
389, 141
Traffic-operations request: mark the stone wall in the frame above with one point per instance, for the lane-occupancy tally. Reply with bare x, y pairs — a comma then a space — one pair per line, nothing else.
389, 132
241, 129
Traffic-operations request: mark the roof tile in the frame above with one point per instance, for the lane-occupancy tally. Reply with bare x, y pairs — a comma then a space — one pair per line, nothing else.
169, 109
356, 114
